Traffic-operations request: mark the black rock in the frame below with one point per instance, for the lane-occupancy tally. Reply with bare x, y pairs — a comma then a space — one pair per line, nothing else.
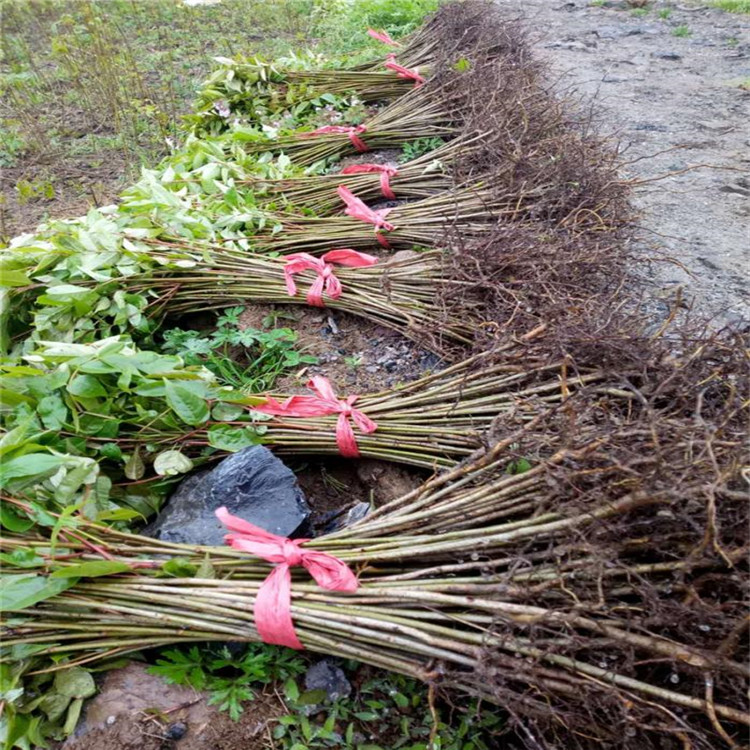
175, 731
327, 676
253, 484
666, 55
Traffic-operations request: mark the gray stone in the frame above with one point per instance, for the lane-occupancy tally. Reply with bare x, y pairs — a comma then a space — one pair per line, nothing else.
336, 520
327, 676
666, 55
253, 484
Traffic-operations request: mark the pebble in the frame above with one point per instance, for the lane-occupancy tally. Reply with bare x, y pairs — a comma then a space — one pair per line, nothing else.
176, 731
372, 368
666, 55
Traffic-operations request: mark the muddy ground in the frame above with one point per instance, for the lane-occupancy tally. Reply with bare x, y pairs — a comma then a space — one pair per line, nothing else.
673, 102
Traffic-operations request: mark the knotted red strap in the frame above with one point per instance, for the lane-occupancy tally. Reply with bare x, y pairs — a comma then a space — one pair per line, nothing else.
386, 172
326, 280
320, 406
411, 74
351, 131
273, 603
382, 36
359, 210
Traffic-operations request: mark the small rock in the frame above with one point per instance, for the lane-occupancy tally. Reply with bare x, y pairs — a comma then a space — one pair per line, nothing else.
327, 676
613, 79
650, 127
253, 484
339, 520
578, 46
666, 55
372, 368
175, 731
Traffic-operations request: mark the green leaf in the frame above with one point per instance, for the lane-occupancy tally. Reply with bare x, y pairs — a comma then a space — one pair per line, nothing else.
86, 386
21, 591
223, 412
312, 697
518, 467
38, 465
232, 439
171, 463
11, 520
462, 65
22, 557
92, 569
179, 568
52, 411
13, 278
75, 682
206, 568
186, 403
135, 468
291, 689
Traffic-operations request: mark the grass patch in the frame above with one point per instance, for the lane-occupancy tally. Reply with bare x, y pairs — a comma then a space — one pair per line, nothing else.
733, 6
681, 31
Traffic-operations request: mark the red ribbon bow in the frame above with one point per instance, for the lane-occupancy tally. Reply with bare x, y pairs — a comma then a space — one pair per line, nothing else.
351, 131
386, 172
323, 404
359, 210
326, 280
273, 603
412, 74
382, 36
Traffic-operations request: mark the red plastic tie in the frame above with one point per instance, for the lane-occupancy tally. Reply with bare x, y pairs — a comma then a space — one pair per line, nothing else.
273, 602
383, 36
409, 73
351, 131
386, 172
359, 210
323, 266
321, 405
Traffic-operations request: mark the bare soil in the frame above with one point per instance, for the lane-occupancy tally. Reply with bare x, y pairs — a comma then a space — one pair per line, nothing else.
674, 103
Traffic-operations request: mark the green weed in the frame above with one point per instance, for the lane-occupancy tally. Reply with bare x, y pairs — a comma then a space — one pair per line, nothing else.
733, 6
230, 680
681, 31
640, 12
248, 358
420, 147
665, 13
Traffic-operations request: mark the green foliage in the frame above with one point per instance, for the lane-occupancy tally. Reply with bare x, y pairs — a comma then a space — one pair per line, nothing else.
420, 147
681, 31
266, 354
387, 712
344, 24
665, 13
733, 6
229, 679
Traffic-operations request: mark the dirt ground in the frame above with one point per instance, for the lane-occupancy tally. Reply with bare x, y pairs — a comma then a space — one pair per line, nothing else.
674, 102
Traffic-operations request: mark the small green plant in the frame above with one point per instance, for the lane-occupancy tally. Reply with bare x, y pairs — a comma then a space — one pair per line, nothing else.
665, 13
387, 711
37, 190
640, 12
681, 31
353, 361
597, 3
420, 147
229, 679
732, 41
248, 358
733, 6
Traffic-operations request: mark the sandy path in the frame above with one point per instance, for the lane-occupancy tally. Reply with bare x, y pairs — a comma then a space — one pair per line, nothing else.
659, 91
